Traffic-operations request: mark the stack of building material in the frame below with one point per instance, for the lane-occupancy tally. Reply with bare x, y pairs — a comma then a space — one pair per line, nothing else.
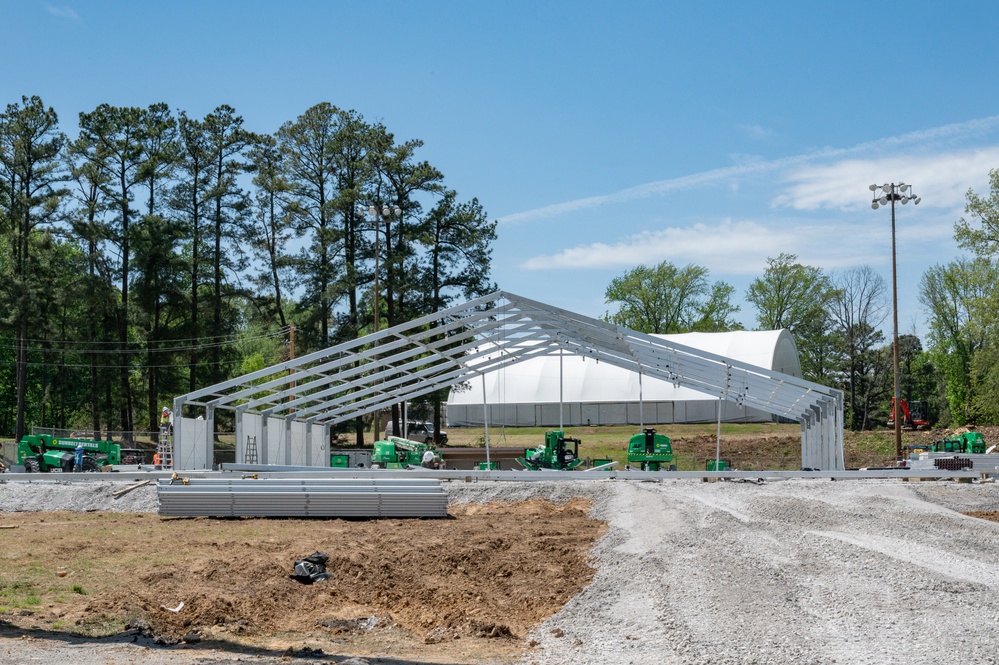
302, 497
979, 461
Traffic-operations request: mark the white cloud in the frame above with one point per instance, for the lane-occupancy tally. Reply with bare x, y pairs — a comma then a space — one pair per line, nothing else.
941, 180
742, 247
63, 11
728, 247
922, 171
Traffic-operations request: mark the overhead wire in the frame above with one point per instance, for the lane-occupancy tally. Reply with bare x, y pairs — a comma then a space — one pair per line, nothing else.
225, 340
87, 365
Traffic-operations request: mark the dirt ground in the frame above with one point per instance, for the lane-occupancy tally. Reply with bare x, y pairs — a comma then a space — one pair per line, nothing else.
782, 449
466, 589
463, 589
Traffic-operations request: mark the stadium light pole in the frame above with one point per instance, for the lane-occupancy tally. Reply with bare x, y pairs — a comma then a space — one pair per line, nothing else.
377, 215
883, 195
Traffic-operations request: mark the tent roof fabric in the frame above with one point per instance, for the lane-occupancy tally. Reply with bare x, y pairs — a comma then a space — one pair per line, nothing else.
451, 346
546, 379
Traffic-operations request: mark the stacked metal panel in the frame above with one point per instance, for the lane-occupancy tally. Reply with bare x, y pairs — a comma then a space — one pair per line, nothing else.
980, 462
302, 497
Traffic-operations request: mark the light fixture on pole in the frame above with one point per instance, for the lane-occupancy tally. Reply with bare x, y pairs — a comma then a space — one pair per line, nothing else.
883, 195
377, 215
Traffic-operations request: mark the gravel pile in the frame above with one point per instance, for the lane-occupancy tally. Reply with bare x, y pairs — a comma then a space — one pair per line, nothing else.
797, 571
20, 496
788, 572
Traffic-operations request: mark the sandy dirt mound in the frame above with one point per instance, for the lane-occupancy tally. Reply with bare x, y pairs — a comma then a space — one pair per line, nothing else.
489, 571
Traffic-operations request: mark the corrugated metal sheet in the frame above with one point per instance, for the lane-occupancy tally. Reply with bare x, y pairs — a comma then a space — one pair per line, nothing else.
302, 497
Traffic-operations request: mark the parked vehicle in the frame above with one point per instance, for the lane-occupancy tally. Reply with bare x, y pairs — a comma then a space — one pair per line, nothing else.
419, 431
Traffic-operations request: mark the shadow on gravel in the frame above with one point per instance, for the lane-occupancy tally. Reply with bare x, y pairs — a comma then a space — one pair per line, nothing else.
203, 652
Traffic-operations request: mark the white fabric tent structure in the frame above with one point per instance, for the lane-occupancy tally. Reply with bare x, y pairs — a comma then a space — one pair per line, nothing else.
286, 410
565, 390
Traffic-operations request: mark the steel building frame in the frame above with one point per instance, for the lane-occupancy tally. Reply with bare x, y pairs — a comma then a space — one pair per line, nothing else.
492, 332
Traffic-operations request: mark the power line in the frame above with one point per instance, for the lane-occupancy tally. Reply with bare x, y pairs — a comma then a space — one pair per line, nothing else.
281, 330
229, 340
87, 366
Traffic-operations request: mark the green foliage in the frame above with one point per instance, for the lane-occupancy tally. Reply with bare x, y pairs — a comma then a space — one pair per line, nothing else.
142, 287
981, 233
717, 311
960, 298
664, 299
860, 308
799, 298
789, 294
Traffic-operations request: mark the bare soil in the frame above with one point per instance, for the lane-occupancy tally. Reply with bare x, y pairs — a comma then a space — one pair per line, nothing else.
781, 449
463, 589
466, 589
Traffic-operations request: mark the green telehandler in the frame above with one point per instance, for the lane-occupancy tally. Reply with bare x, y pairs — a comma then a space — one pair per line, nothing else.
41, 453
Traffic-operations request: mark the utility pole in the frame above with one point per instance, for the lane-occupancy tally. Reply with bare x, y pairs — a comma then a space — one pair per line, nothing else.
891, 193
291, 356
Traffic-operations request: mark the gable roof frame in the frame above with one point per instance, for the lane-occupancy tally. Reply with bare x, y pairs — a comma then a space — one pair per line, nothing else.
496, 331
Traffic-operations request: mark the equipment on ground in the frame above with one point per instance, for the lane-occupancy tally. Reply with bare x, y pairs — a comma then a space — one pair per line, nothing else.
651, 451
723, 465
419, 431
968, 443
914, 419
135, 456
44, 453
397, 453
553, 453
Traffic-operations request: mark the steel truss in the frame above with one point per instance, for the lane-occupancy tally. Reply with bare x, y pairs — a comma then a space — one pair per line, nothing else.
490, 333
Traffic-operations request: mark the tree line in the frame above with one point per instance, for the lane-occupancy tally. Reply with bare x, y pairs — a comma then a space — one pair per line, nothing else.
837, 321
156, 252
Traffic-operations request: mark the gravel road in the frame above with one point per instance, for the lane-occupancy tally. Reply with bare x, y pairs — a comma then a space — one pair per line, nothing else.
796, 571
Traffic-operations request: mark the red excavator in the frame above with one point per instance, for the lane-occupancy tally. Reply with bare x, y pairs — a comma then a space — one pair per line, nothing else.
914, 419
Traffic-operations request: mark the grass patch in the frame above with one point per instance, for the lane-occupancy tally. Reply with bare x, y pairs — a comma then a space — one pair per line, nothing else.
79, 589
611, 442
18, 595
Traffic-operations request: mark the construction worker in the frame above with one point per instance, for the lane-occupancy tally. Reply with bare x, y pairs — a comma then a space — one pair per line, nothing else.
165, 421
430, 460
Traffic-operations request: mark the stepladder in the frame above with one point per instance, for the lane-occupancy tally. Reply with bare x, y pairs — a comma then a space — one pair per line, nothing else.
164, 448
250, 454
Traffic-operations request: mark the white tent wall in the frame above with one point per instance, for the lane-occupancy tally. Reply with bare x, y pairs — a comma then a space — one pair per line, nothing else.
192, 443
286, 442
275, 442
603, 394
298, 446
319, 445
608, 413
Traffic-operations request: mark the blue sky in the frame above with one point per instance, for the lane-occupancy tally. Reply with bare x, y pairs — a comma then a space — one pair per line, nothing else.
601, 135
